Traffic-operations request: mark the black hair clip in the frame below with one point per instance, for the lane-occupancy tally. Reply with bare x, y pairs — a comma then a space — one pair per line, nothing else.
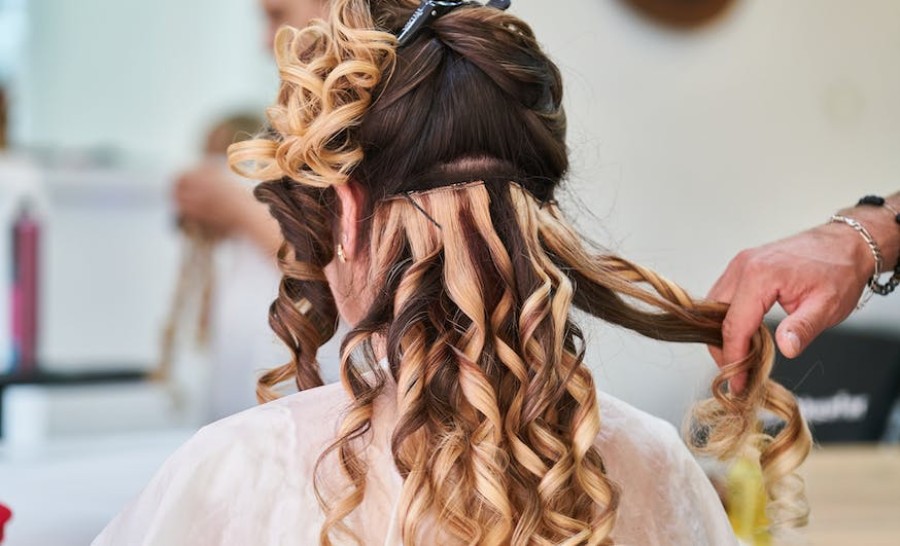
409, 197
429, 10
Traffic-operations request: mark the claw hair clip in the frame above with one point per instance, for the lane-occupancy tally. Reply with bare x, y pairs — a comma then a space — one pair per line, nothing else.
430, 10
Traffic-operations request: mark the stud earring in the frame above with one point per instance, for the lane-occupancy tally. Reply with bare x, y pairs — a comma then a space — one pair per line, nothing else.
340, 253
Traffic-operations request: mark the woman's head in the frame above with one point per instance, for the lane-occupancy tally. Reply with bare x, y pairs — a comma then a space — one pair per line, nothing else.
473, 97
415, 189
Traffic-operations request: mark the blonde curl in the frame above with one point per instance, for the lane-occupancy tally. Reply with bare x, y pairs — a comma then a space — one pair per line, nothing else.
328, 72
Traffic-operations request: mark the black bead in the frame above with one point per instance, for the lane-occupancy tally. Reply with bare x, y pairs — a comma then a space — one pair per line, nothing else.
897, 218
872, 200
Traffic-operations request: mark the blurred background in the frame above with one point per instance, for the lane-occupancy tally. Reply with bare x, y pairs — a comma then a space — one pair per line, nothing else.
691, 137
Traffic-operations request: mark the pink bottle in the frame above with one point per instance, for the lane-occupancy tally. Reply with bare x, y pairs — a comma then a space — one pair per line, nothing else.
25, 245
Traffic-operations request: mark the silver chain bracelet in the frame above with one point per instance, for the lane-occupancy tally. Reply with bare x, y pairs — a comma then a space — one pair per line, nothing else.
873, 286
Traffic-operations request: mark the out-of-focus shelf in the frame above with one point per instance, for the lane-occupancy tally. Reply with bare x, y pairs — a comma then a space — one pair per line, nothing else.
37, 407
41, 377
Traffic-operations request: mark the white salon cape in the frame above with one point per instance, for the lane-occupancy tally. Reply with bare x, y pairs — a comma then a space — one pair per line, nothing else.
246, 480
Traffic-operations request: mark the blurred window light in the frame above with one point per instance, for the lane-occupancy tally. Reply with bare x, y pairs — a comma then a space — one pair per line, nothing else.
13, 25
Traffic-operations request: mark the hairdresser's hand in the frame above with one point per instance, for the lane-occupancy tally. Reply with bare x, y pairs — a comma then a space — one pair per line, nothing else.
209, 197
817, 277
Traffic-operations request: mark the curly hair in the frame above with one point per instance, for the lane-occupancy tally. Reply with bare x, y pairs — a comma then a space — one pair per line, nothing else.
457, 142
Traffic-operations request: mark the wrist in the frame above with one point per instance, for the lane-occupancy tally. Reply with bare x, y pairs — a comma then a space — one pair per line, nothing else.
844, 237
884, 229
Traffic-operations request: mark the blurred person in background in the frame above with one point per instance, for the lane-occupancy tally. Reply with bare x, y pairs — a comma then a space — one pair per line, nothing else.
232, 237
223, 283
209, 198
208, 195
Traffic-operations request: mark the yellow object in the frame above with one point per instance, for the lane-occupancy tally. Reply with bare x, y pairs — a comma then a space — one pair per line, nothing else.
746, 503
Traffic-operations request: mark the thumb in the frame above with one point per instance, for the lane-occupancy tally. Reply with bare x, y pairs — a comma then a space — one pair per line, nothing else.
797, 331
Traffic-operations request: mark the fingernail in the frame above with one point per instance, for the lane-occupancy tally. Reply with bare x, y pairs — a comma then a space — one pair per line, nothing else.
793, 342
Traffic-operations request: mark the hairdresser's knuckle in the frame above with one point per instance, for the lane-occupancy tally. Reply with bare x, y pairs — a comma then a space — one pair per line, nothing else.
757, 264
742, 264
743, 258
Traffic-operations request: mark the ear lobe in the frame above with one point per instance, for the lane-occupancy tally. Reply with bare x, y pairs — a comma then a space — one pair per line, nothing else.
350, 197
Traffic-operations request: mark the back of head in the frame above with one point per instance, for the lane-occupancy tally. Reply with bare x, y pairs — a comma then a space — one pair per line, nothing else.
457, 143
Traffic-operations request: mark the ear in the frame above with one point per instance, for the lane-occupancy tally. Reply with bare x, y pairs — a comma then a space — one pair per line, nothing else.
350, 196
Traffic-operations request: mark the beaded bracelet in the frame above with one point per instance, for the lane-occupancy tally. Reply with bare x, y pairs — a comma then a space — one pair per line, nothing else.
878, 201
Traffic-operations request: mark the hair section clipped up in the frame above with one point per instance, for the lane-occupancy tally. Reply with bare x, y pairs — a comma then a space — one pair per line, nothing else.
457, 141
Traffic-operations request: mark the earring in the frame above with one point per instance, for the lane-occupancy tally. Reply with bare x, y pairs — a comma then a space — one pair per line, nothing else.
340, 253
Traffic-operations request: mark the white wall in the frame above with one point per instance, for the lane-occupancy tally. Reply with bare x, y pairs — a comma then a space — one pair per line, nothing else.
687, 146
145, 78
